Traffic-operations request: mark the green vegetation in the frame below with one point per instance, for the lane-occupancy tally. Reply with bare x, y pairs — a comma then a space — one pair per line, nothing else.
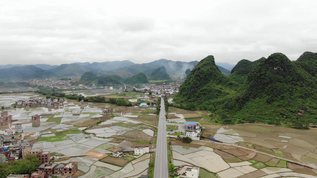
187, 139
271, 164
278, 153
273, 91
138, 78
171, 127
60, 136
282, 164
258, 165
91, 78
204, 83
160, 74
57, 120
151, 166
206, 174
24, 166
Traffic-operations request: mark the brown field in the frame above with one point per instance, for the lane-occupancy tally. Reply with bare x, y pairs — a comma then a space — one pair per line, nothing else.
117, 161
136, 136
95, 154
301, 145
187, 113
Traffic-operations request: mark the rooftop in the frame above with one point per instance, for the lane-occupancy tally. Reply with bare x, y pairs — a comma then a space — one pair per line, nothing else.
190, 123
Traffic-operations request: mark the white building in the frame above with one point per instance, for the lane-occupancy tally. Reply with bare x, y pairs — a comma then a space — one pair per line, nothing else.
191, 133
141, 150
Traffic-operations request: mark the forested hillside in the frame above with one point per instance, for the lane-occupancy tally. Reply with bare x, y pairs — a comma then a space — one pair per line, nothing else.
275, 91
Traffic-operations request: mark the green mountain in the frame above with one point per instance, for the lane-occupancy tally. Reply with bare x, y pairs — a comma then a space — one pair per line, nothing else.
241, 71
308, 61
175, 69
92, 78
137, 79
65, 70
23, 72
223, 70
276, 91
88, 77
205, 81
160, 74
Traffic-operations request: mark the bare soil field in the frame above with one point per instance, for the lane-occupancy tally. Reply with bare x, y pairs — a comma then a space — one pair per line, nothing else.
187, 113
135, 136
117, 161
299, 145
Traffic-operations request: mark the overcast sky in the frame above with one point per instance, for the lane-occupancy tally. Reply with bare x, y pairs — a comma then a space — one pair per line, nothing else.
66, 31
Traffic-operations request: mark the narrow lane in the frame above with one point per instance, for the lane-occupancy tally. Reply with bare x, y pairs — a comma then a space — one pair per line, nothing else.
161, 161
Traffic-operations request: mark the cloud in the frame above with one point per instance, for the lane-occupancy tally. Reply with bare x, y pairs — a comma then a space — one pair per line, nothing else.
60, 31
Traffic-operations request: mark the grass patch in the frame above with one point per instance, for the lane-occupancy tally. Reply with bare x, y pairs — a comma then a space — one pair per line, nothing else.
149, 111
278, 153
271, 164
193, 118
57, 120
258, 165
135, 113
177, 134
91, 113
252, 161
60, 136
245, 144
56, 154
171, 127
125, 124
206, 174
282, 164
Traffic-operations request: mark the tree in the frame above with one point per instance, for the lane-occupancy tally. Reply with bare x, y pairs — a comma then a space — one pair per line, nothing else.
187, 140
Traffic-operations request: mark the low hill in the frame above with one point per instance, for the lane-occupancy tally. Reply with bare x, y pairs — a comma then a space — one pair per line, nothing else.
137, 79
92, 78
308, 61
160, 74
23, 72
204, 83
241, 71
65, 70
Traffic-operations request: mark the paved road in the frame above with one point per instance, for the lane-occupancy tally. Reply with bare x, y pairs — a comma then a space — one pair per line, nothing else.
161, 163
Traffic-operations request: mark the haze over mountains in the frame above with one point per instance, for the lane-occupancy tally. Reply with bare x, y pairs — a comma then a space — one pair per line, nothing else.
124, 69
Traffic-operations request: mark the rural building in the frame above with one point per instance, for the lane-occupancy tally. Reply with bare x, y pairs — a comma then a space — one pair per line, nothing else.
5, 118
190, 133
144, 105
36, 120
38, 174
8, 132
141, 150
18, 127
117, 154
65, 169
70, 168
44, 156
188, 172
18, 176
190, 125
